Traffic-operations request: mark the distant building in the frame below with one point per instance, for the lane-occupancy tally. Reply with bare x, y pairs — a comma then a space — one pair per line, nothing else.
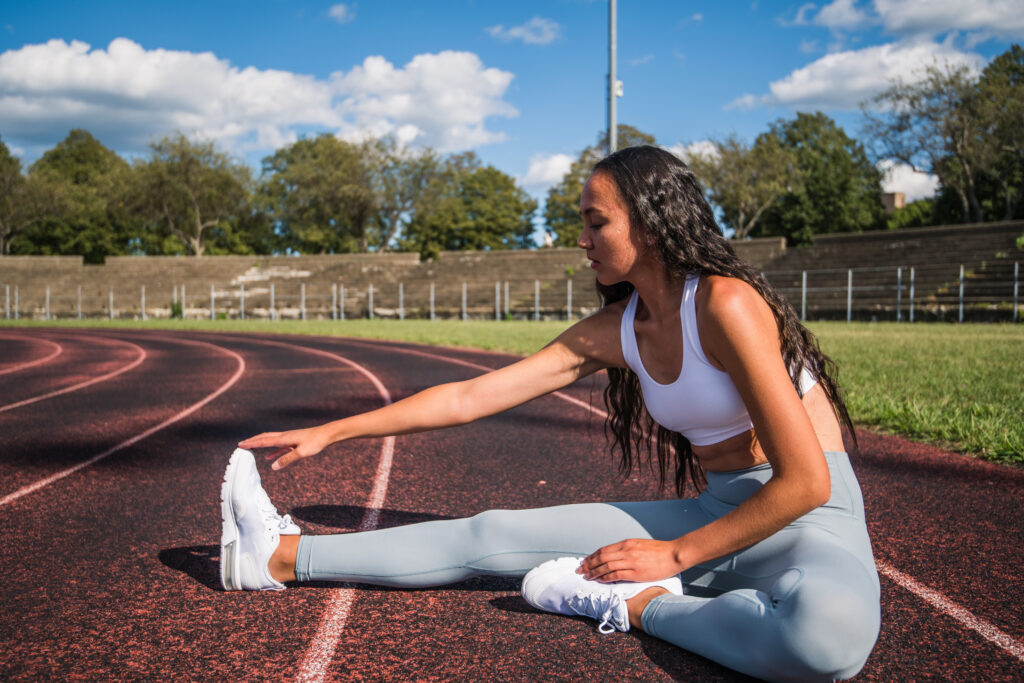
893, 200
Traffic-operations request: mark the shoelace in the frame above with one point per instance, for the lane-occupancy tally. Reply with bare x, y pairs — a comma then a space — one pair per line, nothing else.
270, 512
600, 606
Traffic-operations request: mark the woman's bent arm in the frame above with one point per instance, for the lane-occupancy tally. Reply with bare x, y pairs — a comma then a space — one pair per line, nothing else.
579, 351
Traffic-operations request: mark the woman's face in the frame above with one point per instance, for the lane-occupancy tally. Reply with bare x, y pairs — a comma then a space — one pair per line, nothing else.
613, 247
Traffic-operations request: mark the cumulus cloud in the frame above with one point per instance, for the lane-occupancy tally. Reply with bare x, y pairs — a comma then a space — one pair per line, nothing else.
902, 178
537, 31
704, 148
641, 60
841, 14
840, 81
546, 170
342, 13
994, 17
127, 95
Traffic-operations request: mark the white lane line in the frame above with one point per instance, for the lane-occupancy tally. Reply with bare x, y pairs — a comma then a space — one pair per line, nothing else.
320, 653
39, 361
984, 628
939, 601
25, 490
135, 363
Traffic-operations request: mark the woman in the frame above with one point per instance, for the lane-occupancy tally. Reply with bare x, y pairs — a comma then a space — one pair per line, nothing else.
774, 555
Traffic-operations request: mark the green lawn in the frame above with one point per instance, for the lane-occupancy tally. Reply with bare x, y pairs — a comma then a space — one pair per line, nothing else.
958, 385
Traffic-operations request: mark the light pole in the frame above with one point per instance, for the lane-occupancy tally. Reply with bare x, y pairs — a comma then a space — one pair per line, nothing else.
614, 85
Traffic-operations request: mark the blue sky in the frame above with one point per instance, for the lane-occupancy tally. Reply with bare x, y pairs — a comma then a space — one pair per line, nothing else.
522, 84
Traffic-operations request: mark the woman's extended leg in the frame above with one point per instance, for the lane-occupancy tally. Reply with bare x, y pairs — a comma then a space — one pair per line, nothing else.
495, 543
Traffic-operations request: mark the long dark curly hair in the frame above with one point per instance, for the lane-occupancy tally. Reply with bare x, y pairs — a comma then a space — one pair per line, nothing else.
667, 204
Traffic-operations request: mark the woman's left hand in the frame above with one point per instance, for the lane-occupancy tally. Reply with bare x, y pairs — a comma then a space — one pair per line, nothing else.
635, 559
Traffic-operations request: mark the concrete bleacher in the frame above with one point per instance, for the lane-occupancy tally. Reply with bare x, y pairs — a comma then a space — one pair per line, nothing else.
987, 252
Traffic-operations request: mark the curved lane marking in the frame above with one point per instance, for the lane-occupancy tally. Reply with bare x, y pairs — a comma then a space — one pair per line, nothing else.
25, 490
81, 385
320, 653
38, 361
936, 599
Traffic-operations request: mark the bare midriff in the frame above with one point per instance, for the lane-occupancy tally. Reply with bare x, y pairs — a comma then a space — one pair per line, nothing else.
744, 450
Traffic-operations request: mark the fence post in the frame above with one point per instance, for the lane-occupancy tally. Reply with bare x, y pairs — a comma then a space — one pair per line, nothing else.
961, 317
241, 303
79, 302
1016, 282
463, 300
568, 305
497, 301
213, 304
111, 304
302, 300
911, 294
401, 301
370, 290
849, 295
143, 302
803, 296
47, 303
273, 314
341, 302
506, 298
183, 302
431, 300
15, 302
899, 294
536, 299
7, 302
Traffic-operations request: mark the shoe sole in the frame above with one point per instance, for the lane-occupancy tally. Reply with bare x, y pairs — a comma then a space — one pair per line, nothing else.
230, 568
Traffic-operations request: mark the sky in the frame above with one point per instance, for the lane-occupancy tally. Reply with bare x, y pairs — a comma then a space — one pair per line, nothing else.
523, 84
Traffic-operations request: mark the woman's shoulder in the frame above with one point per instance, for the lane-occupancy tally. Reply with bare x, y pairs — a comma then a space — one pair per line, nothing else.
597, 337
722, 294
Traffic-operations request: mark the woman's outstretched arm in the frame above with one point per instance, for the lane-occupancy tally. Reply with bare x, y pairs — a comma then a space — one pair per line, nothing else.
584, 348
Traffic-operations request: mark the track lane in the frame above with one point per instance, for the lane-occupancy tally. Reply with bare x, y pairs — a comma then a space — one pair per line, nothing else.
22, 346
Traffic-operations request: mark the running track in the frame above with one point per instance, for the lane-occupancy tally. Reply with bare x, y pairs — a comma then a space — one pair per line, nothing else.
112, 449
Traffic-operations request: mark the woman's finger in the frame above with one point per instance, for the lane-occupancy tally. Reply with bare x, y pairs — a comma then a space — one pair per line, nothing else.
274, 455
260, 440
290, 456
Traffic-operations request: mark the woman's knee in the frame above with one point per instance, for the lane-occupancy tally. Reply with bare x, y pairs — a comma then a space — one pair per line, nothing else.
830, 626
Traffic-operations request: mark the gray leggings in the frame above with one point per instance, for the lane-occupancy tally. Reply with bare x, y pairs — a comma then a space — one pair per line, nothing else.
802, 604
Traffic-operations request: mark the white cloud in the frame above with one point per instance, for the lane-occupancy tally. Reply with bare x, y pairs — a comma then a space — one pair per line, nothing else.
841, 14
546, 170
844, 79
698, 17
127, 95
342, 13
704, 148
808, 46
994, 17
641, 60
537, 31
902, 178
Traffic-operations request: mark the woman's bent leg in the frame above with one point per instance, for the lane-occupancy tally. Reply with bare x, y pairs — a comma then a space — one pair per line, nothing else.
495, 543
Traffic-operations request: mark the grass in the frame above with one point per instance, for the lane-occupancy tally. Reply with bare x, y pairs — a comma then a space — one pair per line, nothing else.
956, 385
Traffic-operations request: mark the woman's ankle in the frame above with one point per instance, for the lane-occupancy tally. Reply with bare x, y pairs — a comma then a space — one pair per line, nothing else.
282, 562
636, 605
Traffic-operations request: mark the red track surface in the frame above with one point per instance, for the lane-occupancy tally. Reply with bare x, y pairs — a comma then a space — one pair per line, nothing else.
111, 571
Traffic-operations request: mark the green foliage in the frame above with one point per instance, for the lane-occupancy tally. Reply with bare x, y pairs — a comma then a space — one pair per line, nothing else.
744, 181
189, 192
841, 189
176, 311
1020, 242
916, 214
403, 182
319, 194
24, 201
562, 208
471, 207
89, 220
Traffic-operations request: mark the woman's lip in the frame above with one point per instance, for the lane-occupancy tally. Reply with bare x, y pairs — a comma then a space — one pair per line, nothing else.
593, 263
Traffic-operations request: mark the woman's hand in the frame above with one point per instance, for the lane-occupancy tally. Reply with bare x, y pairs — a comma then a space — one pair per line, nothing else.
291, 446
635, 559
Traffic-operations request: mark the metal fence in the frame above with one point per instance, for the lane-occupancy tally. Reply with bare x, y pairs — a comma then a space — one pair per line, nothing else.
936, 292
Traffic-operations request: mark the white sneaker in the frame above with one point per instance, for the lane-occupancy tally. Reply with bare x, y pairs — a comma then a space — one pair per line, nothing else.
556, 587
251, 527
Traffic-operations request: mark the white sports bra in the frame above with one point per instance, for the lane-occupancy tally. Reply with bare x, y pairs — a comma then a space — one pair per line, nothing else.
702, 403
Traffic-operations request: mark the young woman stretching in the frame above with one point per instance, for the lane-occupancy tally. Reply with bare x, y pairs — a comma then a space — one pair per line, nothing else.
769, 571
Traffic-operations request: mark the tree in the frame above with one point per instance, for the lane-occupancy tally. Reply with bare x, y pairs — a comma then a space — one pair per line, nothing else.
91, 179
471, 207
932, 125
24, 201
562, 208
1000, 108
841, 188
403, 180
744, 181
192, 191
319, 194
